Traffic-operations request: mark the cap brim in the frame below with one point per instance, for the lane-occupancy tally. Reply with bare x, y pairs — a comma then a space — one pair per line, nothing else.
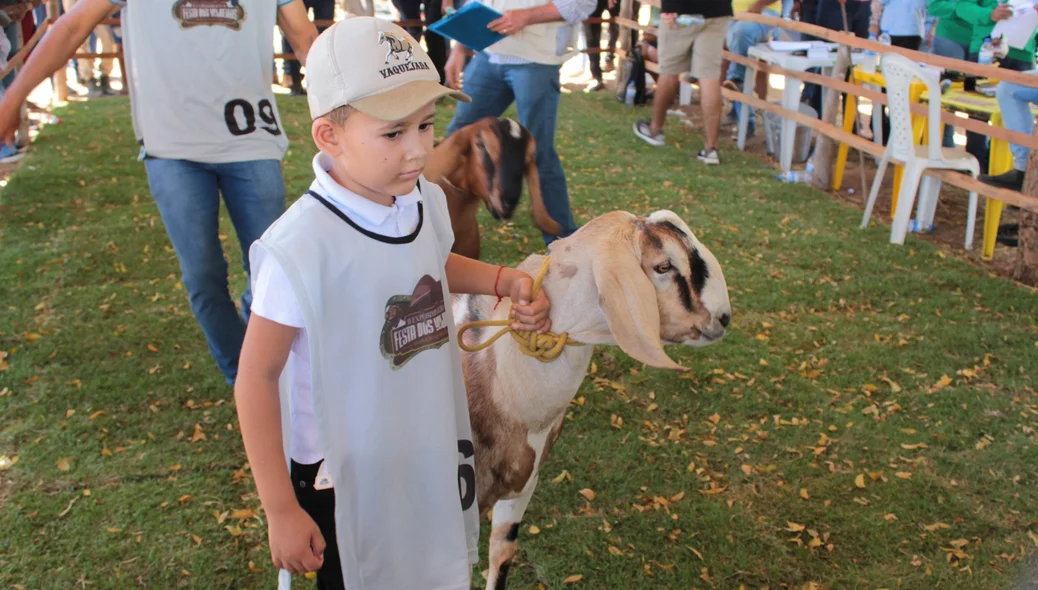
404, 101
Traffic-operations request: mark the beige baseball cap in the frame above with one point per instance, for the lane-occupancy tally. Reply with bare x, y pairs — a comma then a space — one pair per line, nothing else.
374, 66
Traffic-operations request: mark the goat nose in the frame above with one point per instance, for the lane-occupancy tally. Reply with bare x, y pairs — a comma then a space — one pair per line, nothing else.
725, 320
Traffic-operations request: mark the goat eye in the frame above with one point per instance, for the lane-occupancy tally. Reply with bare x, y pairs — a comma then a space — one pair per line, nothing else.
663, 267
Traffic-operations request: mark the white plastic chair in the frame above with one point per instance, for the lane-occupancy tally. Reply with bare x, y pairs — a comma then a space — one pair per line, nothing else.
899, 72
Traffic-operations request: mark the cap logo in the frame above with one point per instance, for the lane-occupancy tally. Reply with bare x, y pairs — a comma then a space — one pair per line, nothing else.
400, 49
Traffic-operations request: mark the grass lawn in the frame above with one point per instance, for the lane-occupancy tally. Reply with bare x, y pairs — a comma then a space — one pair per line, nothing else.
869, 422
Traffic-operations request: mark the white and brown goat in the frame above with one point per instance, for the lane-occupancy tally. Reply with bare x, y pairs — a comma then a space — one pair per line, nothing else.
636, 282
486, 162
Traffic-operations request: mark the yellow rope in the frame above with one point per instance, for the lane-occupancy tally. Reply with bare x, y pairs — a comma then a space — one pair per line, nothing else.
544, 347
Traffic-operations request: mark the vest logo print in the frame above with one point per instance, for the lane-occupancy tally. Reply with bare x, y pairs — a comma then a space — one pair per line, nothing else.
414, 323
194, 13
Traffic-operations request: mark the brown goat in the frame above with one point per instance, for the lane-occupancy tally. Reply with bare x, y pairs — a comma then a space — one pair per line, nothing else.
487, 161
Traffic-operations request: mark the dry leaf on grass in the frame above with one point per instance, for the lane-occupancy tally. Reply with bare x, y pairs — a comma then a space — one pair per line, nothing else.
859, 481
65, 464
573, 579
588, 493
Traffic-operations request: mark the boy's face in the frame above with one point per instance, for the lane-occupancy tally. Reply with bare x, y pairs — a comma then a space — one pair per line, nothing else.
380, 159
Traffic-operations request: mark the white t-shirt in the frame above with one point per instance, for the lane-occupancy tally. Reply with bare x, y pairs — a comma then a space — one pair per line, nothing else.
274, 299
200, 74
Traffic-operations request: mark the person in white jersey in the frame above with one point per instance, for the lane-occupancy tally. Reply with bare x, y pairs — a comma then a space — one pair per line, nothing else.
524, 68
208, 125
350, 394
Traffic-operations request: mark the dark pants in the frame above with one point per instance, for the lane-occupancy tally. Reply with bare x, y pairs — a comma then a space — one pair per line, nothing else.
593, 33
320, 505
827, 13
323, 10
435, 44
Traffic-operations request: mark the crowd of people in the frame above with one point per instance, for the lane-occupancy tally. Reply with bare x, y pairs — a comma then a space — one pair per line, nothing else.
209, 128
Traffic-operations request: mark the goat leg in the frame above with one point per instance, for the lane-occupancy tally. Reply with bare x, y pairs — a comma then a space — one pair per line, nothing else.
504, 535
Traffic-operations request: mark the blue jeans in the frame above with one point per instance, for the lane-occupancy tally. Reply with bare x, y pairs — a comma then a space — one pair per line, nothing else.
740, 37
188, 197
1015, 101
536, 92
953, 49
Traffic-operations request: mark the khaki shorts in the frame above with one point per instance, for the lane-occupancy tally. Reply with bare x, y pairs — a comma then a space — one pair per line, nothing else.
698, 46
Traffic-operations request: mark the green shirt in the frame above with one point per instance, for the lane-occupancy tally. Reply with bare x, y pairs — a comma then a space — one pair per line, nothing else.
950, 26
978, 14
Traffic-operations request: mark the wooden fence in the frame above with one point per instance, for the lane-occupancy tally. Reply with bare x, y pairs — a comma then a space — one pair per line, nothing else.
837, 133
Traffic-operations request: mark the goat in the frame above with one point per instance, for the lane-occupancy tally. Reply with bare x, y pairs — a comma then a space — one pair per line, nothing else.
619, 280
486, 161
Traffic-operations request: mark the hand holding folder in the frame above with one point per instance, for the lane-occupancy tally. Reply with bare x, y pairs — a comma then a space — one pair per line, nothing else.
468, 26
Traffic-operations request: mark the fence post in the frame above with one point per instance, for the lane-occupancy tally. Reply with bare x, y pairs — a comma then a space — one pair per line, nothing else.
825, 147
626, 11
60, 83
1026, 266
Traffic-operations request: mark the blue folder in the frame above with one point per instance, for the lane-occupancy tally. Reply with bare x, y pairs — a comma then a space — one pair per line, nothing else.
468, 26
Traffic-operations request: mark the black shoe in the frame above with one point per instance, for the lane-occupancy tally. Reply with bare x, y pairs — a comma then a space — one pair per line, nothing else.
106, 86
598, 85
1008, 234
297, 88
1012, 180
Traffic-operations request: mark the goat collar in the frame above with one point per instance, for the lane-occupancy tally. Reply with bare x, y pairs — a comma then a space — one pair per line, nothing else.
544, 347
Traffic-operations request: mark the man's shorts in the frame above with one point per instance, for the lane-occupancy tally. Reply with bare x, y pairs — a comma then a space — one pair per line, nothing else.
698, 46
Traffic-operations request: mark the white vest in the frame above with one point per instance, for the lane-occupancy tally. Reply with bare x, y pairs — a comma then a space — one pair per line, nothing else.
388, 392
538, 43
200, 74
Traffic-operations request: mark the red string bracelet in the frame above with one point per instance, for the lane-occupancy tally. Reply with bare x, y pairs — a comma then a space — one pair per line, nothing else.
496, 281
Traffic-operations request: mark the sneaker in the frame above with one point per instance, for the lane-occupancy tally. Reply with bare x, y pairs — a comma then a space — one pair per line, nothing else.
9, 153
1012, 180
106, 86
643, 129
597, 86
1008, 235
708, 156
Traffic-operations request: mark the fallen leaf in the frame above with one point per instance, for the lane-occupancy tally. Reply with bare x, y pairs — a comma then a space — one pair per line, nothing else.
959, 543
65, 464
651, 407
943, 382
234, 530
198, 435
615, 551
677, 497
113, 530
894, 387
95, 415
804, 494
697, 554
184, 499
562, 476
243, 513
747, 469
935, 526
534, 529
860, 481
903, 475
573, 579
1033, 537
889, 517
588, 493
915, 446
7, 462
715, 418
794, 527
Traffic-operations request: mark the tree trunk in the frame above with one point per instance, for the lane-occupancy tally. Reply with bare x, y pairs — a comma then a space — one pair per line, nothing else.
824, 146
1026, 269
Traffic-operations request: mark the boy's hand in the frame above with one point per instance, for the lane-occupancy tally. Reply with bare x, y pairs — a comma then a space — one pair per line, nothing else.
296, 543
529, 316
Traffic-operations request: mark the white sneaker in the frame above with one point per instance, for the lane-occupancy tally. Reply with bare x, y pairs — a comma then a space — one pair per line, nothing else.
708, 156
643, 129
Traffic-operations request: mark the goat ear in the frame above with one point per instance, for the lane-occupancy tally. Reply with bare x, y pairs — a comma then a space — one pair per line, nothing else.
541, 217
628, 300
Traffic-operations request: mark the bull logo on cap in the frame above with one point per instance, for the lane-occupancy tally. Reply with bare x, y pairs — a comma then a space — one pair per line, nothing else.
400, 48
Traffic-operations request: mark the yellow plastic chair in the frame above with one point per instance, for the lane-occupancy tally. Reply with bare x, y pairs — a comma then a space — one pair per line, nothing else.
1000, 161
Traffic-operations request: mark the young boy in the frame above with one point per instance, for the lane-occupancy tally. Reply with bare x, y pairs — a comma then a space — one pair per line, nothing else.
350, 365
